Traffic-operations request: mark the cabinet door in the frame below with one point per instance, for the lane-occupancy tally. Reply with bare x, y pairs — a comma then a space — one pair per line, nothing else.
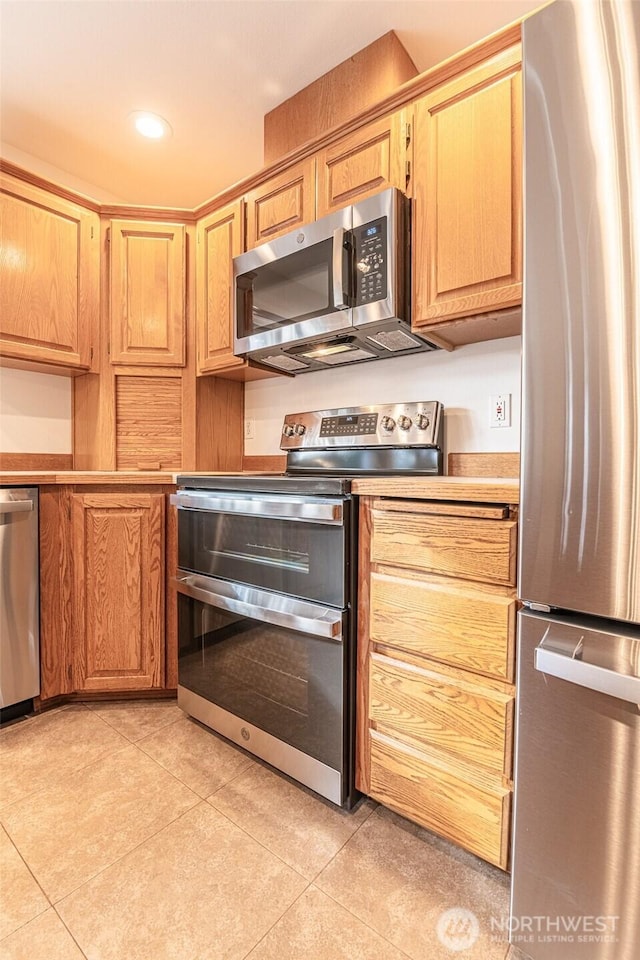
468, 194
118, 562
49, 277
219, 238
149, 422
363, 163
281, 204
147, 293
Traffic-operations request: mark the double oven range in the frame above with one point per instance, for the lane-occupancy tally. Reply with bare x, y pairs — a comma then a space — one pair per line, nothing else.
267, 588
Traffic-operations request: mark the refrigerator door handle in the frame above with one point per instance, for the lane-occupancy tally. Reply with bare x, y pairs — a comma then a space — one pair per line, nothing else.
565, 667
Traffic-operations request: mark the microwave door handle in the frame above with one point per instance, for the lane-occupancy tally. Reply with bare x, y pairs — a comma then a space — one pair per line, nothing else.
339, 295
329, 625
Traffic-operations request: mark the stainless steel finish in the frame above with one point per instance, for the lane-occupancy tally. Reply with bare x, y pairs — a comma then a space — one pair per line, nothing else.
389, 204
318, 510
338, 287
580, 490
576, 839
566, 667
314, 774
389, 430
19, 596
285, 611
282, 247
16, 506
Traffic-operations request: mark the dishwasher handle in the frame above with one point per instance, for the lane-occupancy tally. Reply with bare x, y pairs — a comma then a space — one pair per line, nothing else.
621, 686
16, 506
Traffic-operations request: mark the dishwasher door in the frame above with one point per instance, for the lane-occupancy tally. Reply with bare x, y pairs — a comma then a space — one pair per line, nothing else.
576, 841
19, 597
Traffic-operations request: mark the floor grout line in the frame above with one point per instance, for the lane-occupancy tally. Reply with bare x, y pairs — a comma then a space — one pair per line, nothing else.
276, 922
33, 877
71, 934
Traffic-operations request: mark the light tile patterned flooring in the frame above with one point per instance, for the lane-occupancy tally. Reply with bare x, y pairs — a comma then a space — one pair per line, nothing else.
130, 832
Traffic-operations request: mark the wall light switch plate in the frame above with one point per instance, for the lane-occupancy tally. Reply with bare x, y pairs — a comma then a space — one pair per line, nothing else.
500, 410
249, 429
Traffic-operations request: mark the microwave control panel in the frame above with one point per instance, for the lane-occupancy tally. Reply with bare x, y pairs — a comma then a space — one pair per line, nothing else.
370, 258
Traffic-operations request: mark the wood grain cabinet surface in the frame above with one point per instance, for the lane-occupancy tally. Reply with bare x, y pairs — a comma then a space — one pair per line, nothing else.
363, 163
147, 293
106, 563
282, 203
49, 277
219, 238
467, 185
436, 648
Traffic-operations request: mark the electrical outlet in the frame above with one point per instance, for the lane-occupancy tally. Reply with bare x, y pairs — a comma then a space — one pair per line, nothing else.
501, 410
249, 429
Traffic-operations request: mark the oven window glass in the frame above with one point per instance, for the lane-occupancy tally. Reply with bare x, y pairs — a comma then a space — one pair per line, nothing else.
300, 559
287, 683
286, 290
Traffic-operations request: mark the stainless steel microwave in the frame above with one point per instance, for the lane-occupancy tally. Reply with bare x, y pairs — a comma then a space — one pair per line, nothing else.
334, 292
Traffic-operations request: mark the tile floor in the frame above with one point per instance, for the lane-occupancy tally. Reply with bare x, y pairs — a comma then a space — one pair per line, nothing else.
129, 832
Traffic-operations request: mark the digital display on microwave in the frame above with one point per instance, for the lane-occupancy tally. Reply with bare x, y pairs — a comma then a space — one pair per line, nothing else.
373, 231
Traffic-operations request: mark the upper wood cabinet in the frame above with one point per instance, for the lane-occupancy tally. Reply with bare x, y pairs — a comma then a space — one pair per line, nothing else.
147, 293
49, 277
281, 204
365, 162
219, 238
118, 563
467, 185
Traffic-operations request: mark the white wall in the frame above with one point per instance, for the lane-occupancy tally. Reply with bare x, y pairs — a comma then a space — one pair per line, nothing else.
463, 381
35, 412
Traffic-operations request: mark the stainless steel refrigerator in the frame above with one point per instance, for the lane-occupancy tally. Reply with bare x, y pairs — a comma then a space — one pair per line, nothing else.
576, 840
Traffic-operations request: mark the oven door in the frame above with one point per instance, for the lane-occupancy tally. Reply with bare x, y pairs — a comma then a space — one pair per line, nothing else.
293, 288
267, 672
289, 544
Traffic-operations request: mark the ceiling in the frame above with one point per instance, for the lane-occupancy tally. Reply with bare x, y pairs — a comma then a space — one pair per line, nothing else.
72, 71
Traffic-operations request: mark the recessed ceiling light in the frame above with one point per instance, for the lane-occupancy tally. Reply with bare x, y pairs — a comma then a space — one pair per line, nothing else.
151, 125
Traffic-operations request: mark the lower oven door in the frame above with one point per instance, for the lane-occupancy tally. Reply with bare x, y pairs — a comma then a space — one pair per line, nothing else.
289, 544
269, 673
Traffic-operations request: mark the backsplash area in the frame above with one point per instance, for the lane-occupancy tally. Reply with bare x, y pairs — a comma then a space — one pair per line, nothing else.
36, 412
463, 381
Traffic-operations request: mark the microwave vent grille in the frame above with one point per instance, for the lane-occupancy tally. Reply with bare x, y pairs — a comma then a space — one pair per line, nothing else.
394, 340
285, 362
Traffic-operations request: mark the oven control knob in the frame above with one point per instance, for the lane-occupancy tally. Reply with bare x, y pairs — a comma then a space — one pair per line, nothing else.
388, 423
287, 430
404, 422
422, 421
299, 429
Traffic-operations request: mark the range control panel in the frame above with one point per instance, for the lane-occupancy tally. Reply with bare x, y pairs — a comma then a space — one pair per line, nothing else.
390, 425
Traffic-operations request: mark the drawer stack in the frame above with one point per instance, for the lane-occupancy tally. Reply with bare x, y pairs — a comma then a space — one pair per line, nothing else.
436, 666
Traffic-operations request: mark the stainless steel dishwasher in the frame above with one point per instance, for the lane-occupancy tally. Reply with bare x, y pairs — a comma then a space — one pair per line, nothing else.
19, 601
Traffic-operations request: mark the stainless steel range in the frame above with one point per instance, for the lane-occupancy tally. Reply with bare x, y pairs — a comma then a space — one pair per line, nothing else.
267, 588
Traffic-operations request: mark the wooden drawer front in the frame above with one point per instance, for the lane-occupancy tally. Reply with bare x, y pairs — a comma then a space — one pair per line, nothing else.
456, 622
482, 550
281, 204
472, 813
463, 718
362, 164
148, 423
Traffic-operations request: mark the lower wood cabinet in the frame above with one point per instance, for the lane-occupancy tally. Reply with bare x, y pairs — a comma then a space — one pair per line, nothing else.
436, 639
106, 558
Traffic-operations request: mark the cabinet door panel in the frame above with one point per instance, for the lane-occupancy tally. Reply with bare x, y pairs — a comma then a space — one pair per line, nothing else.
119, 591
361, 164
149, 423
468, 190
281, 204
147, 293
220, 238
49, 277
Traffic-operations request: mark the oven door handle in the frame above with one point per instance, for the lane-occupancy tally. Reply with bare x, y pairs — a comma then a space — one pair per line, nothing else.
328, 623
277, 509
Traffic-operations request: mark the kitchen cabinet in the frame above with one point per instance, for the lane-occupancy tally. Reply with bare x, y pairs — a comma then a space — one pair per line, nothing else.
147, 292
436, 642
149, 421
467, 187
107, 556
49, 277
365, 162
282, 203
219, 238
